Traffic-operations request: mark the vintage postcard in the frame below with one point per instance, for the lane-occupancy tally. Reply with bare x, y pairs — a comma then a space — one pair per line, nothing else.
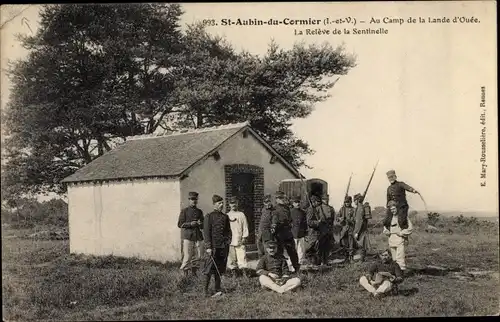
249, 160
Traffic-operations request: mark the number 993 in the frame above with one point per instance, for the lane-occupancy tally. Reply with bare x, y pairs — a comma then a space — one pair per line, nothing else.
209, 22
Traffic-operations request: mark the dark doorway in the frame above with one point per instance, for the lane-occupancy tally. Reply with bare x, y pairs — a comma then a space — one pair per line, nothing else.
243, 189
317, 189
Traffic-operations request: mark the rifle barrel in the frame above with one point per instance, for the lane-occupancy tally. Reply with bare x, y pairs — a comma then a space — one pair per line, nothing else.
348, 186
370, 181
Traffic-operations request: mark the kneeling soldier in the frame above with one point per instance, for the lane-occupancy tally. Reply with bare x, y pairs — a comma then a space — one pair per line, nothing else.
273, 271
382, 276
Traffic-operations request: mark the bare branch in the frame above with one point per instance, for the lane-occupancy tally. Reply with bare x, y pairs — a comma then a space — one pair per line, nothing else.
15, 16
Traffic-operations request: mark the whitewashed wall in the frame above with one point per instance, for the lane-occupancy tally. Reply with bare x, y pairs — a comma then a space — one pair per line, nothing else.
208, 177
129, 218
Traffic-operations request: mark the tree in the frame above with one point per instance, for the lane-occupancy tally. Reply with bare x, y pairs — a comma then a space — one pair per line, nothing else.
219, 87
99, 73
87, 75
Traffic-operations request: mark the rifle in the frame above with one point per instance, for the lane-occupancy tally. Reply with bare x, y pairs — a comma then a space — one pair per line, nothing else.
347, 190
305, 189
370, 181
348, 185
346, 195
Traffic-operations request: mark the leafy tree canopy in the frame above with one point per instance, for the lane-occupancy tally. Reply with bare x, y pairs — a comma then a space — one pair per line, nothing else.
96, 74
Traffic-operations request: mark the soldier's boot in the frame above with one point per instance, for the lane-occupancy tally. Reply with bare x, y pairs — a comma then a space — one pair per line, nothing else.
350, 256
248, 272
234, 272
362, 256
186, 272
194, 271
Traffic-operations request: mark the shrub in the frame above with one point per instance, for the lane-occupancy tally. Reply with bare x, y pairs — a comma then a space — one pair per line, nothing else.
432, 218
466, 221
30, 212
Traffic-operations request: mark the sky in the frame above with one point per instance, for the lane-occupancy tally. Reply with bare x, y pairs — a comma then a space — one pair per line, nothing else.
411, 103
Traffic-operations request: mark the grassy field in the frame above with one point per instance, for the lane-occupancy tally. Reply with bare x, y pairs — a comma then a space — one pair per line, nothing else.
41, 281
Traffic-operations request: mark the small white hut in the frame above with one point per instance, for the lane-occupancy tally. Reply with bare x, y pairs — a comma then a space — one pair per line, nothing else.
127, 202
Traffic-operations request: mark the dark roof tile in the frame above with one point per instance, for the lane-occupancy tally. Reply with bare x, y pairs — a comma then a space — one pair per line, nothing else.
164, 156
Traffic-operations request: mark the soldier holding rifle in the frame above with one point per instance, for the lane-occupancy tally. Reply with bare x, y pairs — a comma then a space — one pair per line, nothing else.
319, 220
362, 214
344, 224
360, 228
344, 227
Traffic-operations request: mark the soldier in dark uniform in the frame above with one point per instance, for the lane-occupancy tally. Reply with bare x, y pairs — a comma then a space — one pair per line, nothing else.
360, 228
320, 221
281, 226
344, 227
397, 192
264, 232
217, 233
330, 214
190, 222
299, 227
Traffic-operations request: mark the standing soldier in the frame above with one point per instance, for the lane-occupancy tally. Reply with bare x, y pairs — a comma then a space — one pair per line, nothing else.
344, 227
217, 233
397, 192
190, 222
299, 228
360, 228
239, 230
398, 238
264, 233
281, 226
319, 219
330, 215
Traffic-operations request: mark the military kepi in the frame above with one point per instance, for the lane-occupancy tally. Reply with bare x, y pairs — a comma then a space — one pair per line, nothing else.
348, 199
193, 195
271, 243
233, 199
267, 198
216, 198
391, 173
358, 196
296, 198
392, 203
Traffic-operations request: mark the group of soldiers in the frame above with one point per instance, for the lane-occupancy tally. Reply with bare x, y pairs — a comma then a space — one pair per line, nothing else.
311, 235
307, 236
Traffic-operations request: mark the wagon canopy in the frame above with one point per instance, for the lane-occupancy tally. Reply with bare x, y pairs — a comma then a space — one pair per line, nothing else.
310, 187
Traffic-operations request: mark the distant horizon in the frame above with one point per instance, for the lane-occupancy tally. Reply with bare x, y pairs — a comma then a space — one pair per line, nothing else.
480, 213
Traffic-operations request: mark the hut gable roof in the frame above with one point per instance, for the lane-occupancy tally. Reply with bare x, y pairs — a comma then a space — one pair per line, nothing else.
170, 155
